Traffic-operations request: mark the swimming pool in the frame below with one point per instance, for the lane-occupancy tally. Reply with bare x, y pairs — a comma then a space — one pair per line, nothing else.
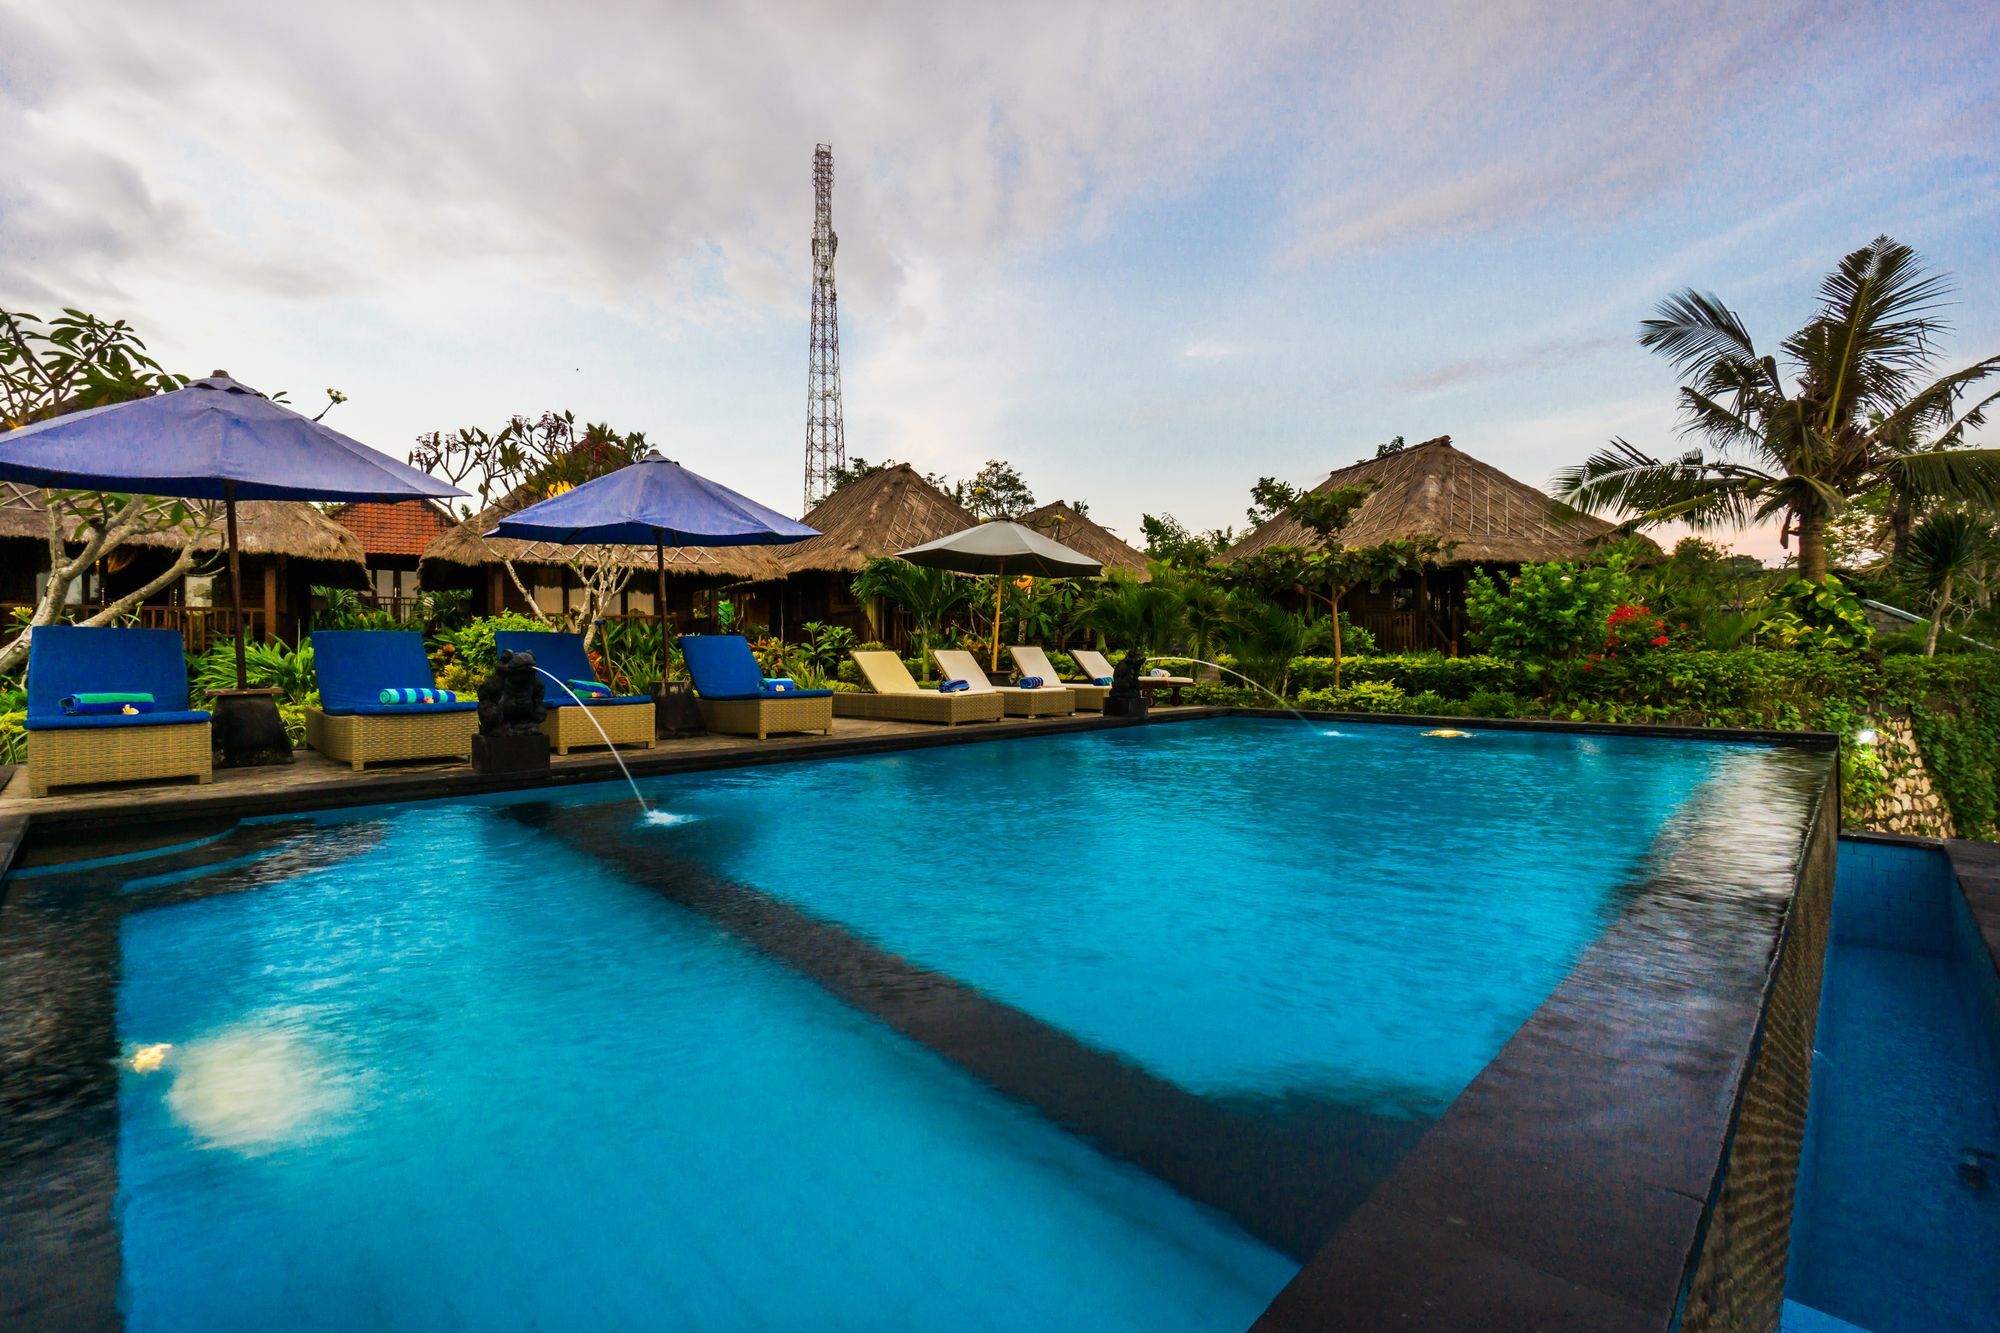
1098, 1031
1897, 1222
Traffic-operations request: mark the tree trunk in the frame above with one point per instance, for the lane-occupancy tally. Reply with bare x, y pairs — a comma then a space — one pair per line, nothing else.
1937, 617
1334, 602
1812, 547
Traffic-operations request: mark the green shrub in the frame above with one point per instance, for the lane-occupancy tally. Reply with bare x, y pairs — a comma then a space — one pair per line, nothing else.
472, 643
1547, 612
1372, 696
294, 718
14, 737
271, 665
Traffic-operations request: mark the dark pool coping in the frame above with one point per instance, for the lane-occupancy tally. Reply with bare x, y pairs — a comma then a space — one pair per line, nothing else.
1571, 1184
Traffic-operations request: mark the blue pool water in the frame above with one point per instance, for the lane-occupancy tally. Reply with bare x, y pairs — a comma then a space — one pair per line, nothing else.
469, 1081
478, 1072
1886, 1236
1246, 907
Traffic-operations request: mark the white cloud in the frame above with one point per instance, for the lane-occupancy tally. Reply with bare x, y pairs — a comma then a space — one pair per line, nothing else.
1210, 351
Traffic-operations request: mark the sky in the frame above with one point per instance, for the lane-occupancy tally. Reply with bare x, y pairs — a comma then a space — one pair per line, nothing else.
1147, 253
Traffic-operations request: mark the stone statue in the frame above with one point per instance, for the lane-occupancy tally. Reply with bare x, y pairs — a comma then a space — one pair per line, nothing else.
1127, 698
510, 700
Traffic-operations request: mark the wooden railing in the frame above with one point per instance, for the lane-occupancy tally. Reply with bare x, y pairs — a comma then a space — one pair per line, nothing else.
1394, 631
198, 626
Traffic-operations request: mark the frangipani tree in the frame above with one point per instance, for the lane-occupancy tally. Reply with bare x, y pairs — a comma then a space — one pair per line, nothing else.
1846, 407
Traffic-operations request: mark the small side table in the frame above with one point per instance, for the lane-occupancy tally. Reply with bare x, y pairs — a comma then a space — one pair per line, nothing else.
247, 730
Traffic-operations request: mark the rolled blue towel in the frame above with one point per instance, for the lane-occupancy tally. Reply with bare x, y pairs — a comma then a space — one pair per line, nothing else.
1103, 680
779, 684
432, 695
590, 689
953, 686
1031, 682
92, 705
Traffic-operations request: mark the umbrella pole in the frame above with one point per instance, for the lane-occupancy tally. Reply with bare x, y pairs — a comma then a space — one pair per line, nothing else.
999, 590
235, 579
660, 601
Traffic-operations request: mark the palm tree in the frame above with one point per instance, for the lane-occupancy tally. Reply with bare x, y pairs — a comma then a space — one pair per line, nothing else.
929, 595
1943, 550
1844, 423
1205, 616
1130, 614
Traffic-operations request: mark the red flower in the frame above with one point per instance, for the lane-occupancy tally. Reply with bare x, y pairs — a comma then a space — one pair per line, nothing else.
1660, 642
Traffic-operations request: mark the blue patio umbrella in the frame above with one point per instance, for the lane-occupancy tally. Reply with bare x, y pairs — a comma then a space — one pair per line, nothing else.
215, 439
654, 500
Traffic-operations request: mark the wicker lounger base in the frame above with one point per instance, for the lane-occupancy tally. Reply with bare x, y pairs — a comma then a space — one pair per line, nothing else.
379, 739
1089, 698
71, 758
950, 709
764, 717
1045, 702
626, 724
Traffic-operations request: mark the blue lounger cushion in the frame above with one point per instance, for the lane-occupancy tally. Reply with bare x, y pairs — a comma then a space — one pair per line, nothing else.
562, 656
355, 665
66, 660
723, 668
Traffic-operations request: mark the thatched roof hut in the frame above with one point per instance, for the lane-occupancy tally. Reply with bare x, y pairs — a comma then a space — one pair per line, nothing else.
290, 528
464, 546
1059, 522
1434, 490
880, 514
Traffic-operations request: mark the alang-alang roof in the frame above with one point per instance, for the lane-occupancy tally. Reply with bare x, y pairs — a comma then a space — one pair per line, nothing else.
1078, 532
1434, 490
876, 515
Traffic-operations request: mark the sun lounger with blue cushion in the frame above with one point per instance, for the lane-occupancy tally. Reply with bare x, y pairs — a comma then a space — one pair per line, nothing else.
734, 698
359, 671
111, 705
893, 696
627, 719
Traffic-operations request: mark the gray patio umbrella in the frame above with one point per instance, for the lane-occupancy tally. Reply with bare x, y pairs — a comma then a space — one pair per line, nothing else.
996, 548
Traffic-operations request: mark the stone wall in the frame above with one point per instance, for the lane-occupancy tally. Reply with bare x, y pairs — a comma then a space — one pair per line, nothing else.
1912, 803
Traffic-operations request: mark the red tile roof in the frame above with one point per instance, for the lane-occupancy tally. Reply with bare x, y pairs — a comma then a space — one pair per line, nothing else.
404, 527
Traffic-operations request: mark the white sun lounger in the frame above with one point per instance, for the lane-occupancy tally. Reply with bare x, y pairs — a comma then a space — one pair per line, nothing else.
1034, 662
1092, 663
1049, 701
896, 697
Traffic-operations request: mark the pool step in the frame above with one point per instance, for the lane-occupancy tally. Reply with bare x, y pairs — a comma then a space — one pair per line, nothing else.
1288, 1170
1804, 1319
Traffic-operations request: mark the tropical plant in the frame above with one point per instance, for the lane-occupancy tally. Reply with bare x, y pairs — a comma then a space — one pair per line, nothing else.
274, 665
1204, 617
1945, 553
928, 595
825, 646
1264, 637
1126, 613
1547, 612
1816, 616
1842, 416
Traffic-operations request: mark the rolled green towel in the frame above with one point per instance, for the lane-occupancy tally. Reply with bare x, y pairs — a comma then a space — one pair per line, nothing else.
417, 696
89, 704
590, 688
